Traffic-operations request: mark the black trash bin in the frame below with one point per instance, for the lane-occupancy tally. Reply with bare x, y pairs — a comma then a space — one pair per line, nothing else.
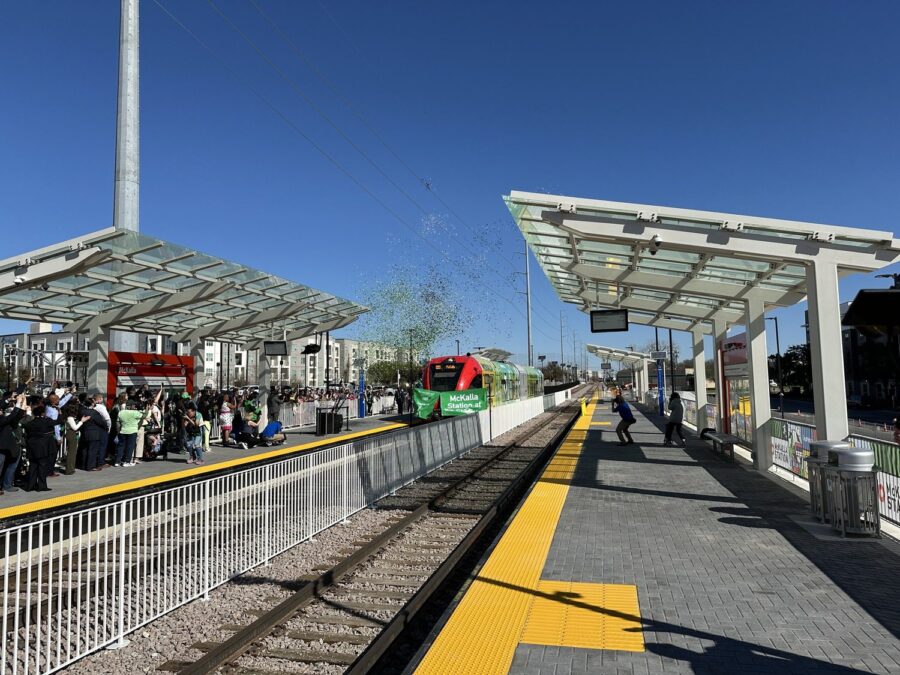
328, 422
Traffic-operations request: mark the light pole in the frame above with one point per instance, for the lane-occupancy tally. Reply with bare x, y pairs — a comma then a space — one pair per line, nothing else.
457, 347
409, 377
778, 363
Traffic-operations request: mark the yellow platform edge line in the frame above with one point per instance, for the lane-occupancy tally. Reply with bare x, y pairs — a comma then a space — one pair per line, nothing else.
88, 495
483, 631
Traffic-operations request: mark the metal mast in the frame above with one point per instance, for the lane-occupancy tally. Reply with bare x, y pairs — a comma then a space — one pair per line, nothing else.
126, 200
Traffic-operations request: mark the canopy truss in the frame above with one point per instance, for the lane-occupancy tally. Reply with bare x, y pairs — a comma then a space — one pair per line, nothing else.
681, 268
623, 356
118, 279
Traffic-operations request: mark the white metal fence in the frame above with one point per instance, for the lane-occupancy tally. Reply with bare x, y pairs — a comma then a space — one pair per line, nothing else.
79, 582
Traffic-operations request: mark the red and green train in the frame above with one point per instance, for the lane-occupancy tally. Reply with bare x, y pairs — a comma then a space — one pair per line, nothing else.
504, 382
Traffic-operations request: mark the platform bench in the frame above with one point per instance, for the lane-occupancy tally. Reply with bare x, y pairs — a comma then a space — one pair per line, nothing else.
722, 443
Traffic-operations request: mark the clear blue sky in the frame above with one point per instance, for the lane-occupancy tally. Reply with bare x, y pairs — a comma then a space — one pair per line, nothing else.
766, 108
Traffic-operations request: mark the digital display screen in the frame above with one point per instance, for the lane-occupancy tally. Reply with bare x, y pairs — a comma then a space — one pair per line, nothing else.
276, 348
609, 320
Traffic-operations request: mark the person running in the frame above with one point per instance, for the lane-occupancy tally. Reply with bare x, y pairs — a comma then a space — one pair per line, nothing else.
676, 418
624, 410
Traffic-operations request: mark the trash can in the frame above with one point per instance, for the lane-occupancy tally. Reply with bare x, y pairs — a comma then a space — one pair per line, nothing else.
328, 422
852, 488
819, 502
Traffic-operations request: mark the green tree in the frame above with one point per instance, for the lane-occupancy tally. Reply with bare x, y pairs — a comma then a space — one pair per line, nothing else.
385, 372
796, 367
553, 372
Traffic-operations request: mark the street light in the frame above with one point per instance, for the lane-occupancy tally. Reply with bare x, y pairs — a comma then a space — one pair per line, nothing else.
457, 347
778, 363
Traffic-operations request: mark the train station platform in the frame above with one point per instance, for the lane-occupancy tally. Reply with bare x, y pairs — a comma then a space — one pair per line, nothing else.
84, 487
653, 559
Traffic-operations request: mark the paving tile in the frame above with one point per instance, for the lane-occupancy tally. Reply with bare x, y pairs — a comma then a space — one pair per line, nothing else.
726, 580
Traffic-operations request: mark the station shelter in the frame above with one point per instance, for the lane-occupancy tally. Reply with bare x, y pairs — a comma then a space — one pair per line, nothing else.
637, 361
117, 279
704, 272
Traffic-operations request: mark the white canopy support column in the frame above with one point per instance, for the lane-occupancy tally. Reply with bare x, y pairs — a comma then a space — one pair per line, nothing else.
645, 378
265, 381
720, 332
760, 401
826, 351
98, 361
700, 379
198, 354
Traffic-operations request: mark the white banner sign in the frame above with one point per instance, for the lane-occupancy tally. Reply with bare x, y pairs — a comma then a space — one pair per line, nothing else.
152, 380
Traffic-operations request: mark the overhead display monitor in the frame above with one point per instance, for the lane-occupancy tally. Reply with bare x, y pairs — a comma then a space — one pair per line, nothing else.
609, 320
605, 366
275, 348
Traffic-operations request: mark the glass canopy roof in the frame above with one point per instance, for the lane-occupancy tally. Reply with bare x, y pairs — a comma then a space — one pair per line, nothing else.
621, 355
146, 285
599, 254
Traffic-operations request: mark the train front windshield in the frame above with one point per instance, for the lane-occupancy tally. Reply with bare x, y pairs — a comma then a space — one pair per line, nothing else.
444, 376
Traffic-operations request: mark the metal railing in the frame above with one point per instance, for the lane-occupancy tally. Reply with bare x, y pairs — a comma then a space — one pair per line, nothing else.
82, 581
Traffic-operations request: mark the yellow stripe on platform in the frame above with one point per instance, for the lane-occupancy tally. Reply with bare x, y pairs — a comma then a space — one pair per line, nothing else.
585, 615
88, 495
501, 607
600, 424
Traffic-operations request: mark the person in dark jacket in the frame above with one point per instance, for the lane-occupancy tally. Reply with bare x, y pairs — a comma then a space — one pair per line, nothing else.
40, 448
676, 418
94, 434
624, 410
10, 451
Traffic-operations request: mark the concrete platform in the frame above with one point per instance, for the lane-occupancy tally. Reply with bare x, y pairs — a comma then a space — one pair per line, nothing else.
89, 485
669, 560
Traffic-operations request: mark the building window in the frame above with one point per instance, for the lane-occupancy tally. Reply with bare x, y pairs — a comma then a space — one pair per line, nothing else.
63, 346
209, 344
239, 360
209, 357
152, 345
209, 372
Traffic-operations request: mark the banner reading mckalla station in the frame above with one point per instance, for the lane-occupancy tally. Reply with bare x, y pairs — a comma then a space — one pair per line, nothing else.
451, 402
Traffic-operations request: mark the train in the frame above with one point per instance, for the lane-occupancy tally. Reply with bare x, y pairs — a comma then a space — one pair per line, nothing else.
504, 382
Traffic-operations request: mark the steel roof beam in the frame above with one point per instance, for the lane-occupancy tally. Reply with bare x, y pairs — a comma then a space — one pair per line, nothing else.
232, 325
28, 276
728, 243
148, 308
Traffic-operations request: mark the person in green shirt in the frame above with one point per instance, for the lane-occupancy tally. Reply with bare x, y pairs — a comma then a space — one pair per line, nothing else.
128, 420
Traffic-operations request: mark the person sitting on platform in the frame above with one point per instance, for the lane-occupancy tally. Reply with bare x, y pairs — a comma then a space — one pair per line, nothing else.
273, 433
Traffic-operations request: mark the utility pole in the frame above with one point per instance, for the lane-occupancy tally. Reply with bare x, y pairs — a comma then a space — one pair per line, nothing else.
457, 347
562, 358
528, 304
672, 360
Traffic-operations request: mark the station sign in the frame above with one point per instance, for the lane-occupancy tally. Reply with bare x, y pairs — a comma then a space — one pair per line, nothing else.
605, 366
659, 355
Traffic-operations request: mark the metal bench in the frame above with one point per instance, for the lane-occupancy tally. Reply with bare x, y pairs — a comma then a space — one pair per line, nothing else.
722, 443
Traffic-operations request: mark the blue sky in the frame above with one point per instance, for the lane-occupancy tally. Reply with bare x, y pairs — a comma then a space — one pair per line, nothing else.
767, 108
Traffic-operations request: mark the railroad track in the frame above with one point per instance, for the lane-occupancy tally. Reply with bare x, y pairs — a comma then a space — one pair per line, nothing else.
345, 618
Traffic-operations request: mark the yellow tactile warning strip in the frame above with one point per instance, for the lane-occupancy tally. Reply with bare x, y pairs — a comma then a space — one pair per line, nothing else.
490, 620
591, 616
601, 424
88, 495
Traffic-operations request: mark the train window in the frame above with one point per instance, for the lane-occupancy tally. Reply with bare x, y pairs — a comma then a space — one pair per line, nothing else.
476, 382
444, 377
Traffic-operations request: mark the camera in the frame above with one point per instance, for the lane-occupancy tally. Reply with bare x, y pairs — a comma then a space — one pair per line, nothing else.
655, 244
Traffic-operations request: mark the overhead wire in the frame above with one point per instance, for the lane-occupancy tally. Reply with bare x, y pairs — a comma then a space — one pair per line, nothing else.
324, 153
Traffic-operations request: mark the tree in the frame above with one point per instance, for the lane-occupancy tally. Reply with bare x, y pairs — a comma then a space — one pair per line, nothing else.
385, 372
418, 309
796, 367
553, 372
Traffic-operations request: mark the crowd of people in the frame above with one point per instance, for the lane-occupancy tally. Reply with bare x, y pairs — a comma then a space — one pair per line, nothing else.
57, 430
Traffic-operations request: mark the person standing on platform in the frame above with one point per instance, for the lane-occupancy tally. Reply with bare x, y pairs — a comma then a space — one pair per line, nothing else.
100, 409
54, 404
193, 434
94, 433
10, 450
226, 417
74, 421
128, 420
676, 418
624, 410
40, 448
